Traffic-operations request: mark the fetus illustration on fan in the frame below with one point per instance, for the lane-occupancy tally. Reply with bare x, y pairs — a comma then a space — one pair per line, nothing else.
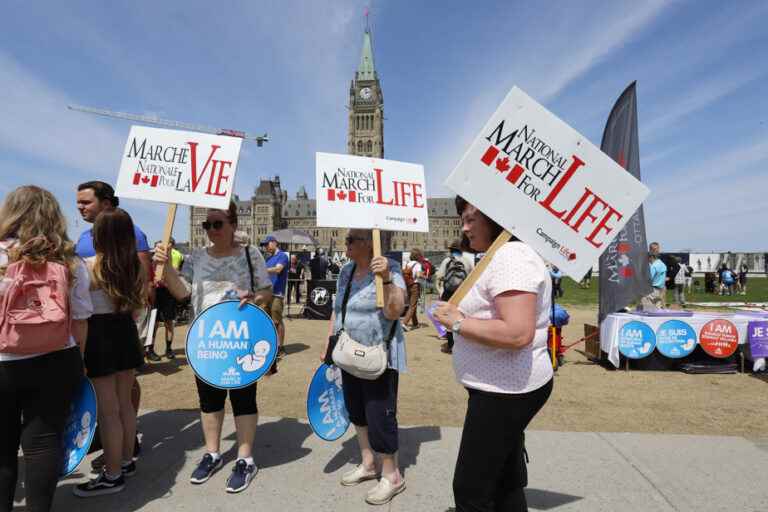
645, 348
689, 344
333, 374
253, 362
85, 428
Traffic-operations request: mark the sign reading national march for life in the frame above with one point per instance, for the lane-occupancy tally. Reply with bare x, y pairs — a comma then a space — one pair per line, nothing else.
229, 347
547, 184
79, 428
370, 193
326, 409
171, 166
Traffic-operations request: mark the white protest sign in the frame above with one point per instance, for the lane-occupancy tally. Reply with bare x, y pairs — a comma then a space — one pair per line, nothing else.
547, 184
370, 193
171, 166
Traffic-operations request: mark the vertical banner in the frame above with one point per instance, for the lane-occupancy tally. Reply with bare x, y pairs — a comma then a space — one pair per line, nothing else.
624, 274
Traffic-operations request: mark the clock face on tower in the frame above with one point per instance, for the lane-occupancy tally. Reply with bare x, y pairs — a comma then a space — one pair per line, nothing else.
365, 93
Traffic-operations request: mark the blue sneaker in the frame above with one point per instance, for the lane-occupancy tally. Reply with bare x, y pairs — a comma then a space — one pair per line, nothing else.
241, 476
205, 469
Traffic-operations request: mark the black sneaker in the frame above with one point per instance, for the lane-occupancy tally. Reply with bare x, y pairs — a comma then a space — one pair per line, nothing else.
129, 469
152, 356
241, 476
169, 353
205, 469
100, 486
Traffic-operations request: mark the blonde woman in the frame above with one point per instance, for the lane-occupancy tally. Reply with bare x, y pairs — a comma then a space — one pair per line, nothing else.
39, 387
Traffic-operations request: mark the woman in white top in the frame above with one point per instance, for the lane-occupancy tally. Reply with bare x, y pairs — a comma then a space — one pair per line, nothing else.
500, 356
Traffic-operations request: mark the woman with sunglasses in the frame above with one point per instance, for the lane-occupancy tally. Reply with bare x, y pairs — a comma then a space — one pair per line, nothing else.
372, 404
211, 275
500, 356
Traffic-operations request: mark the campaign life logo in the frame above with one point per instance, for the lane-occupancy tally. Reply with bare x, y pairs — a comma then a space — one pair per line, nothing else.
675, 339
526, 161
370, 187
636, 340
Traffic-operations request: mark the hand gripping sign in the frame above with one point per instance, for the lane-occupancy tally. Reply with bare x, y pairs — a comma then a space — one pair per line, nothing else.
229, 347
544, 182
371, 193
326, 409
80, 427
176, 167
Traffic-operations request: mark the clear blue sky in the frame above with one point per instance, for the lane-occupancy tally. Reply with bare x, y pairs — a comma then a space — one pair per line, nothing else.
284, 67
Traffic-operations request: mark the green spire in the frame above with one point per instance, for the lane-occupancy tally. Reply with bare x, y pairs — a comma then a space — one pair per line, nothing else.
366, 70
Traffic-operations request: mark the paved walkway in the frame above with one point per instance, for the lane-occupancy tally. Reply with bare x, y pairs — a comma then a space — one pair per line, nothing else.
569, 471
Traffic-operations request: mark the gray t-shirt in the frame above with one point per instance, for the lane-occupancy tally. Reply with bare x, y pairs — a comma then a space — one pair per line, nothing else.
212, 280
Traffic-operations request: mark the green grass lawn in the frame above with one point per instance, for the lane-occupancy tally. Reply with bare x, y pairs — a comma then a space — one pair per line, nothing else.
757, 291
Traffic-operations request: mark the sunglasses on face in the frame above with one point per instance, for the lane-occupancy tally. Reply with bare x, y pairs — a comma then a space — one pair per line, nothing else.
217, 224
352, 239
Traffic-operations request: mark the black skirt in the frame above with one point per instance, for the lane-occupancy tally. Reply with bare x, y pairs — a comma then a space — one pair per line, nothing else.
112, 345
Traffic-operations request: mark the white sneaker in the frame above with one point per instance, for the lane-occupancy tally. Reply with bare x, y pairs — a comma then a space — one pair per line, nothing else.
358, 475
384, 492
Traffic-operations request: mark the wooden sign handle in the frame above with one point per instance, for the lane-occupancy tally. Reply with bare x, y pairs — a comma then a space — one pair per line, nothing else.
379, 281
473, 276
167, 230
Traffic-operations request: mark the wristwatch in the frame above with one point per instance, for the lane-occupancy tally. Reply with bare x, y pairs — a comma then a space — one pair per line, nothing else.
456, 326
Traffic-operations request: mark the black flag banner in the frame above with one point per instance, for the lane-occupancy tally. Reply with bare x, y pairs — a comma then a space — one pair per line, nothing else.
624, 273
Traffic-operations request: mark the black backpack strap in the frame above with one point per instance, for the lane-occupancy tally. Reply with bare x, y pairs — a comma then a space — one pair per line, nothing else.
250, 267
346, 295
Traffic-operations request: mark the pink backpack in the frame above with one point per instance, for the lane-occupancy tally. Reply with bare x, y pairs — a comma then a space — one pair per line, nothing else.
34, 309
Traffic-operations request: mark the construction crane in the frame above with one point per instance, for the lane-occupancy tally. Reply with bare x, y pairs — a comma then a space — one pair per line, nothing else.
259, 139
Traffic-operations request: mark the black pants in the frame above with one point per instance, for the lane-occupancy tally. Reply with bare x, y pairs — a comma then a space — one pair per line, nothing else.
294, 286
490, 470
445, 297
212, 399
40, 390
373, 404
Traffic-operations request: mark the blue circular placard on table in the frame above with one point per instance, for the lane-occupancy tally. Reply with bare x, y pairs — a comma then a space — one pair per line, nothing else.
636, 339
79, 428
675, 339
231, 348
326, 410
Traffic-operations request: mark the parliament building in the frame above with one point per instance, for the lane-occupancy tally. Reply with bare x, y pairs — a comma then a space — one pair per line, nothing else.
270, 208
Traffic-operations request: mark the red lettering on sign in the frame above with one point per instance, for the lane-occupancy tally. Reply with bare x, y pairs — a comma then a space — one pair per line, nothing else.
547, 202
193, 163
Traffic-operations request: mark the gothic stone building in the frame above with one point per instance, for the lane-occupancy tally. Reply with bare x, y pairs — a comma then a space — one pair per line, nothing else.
270, 209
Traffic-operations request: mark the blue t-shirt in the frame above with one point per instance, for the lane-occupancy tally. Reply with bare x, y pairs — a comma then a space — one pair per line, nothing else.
280, 279
84, 247
658, 274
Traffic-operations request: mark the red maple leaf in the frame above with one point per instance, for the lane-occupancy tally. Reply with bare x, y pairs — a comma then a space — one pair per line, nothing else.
623, 248
626, 272
572, 256
145, 179
341, 195
502, 164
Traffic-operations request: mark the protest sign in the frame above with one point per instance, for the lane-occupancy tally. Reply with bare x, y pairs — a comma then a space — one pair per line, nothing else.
326, 410
675, 339
79, 428
719, 338
229, 347
545, 183
370, 193
636, 340
757, 334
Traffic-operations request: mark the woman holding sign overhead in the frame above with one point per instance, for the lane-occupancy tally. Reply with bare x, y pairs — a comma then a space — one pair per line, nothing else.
500, 356
372, 404
210, 275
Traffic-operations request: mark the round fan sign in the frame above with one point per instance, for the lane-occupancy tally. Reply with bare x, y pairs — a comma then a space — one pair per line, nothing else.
636, 339
229, 347
719, 338
326, 410
79, 428
675, 339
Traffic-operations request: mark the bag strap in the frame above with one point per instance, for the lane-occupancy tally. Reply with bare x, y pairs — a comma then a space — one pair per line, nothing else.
388, 341
250, 267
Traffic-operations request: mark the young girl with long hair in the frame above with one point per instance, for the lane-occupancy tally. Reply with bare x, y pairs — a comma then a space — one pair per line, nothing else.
113, 351
38, 387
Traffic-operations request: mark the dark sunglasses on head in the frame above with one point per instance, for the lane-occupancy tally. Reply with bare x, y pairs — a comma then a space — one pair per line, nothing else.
217, 224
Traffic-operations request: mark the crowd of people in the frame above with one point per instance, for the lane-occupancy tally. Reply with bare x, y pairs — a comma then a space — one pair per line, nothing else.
100, 285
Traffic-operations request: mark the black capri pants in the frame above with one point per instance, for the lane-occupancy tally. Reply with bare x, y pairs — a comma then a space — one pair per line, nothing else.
490, 471
212, 399
373, 404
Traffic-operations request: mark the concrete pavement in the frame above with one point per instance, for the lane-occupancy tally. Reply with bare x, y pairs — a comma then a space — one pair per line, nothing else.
569, 471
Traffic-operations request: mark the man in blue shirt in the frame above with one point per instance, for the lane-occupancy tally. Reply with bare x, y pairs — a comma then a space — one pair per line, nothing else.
277, 268
658, 276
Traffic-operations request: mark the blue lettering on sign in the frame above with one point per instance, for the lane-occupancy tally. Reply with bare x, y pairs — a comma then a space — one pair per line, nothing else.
229, 347
675, 339
326, 410
636, 340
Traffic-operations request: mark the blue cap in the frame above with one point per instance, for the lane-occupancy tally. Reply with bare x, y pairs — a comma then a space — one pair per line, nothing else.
267, 239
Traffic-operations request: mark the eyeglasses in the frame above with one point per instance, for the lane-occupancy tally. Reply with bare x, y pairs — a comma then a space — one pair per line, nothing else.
217, 224
351, 239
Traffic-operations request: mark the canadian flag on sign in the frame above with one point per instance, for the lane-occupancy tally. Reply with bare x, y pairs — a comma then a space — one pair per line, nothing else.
341, 195
138, 178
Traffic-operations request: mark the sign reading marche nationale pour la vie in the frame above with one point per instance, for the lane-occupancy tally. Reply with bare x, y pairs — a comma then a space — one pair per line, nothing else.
229, 347
548, 185
79, 428
171, 166
326, 409
370, 193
